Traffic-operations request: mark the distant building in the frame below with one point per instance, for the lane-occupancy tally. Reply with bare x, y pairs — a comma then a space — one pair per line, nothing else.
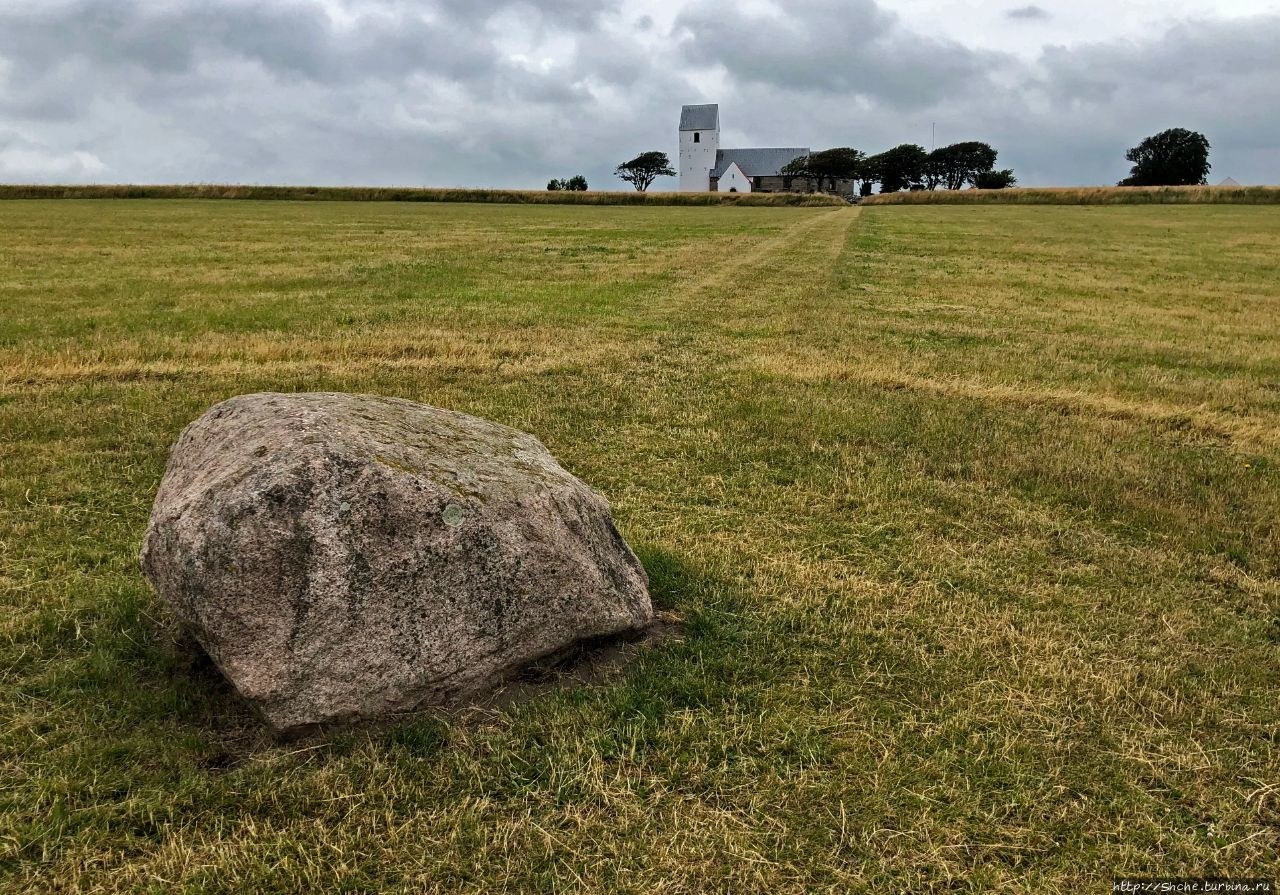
1230, 181
705, 167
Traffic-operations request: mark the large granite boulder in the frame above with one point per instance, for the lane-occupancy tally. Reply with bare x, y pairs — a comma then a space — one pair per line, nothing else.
347, 556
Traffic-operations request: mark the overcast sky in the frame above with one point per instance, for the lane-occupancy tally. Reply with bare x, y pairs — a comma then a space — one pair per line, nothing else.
509, 94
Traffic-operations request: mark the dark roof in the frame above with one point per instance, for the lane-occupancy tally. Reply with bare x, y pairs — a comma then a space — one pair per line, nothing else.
700, 118
756, 162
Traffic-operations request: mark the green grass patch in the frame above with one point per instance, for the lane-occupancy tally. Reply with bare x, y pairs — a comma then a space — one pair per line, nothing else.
969, 517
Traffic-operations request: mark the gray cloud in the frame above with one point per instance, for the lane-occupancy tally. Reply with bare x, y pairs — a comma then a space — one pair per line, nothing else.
385, 92
20, 154
289, 39
1212, 76
512, 92
1028, 13
1066, 117
847, 47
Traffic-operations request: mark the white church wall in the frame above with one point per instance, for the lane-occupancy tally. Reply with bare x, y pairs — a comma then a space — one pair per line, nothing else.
697, 158
733, 180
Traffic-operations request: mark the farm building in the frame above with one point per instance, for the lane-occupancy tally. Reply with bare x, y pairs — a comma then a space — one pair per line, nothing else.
704, 166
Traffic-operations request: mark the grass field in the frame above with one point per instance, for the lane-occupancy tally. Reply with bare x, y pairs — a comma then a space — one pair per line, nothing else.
970, 515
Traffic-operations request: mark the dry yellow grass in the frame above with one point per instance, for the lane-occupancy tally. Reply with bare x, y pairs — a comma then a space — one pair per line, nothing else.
411, 194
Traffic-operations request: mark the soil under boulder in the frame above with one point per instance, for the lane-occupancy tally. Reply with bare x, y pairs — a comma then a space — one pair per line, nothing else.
343, 557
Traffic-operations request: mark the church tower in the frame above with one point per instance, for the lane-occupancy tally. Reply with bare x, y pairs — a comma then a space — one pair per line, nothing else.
699, 142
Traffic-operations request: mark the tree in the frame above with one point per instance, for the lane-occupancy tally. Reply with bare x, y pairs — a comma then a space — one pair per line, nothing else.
934, 171
642, 170
960, 163
797, 167
1175, 157
576, 183
995, 180
897, 168
840, 163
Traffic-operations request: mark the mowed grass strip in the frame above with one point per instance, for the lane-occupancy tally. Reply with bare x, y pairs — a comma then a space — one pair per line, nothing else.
970, 515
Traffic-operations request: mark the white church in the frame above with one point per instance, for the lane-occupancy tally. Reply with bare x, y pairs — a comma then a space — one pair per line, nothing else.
705, 167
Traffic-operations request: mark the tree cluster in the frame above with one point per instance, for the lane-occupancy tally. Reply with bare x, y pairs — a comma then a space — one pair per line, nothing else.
904, 167
1170, 158
821, 168
576, 183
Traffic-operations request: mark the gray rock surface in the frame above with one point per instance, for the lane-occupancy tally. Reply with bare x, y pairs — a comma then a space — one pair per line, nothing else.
342, 557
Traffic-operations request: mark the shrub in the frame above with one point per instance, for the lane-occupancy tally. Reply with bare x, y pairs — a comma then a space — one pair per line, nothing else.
995, 180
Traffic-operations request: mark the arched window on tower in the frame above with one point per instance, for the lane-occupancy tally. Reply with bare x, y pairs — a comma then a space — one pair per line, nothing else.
697, 137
